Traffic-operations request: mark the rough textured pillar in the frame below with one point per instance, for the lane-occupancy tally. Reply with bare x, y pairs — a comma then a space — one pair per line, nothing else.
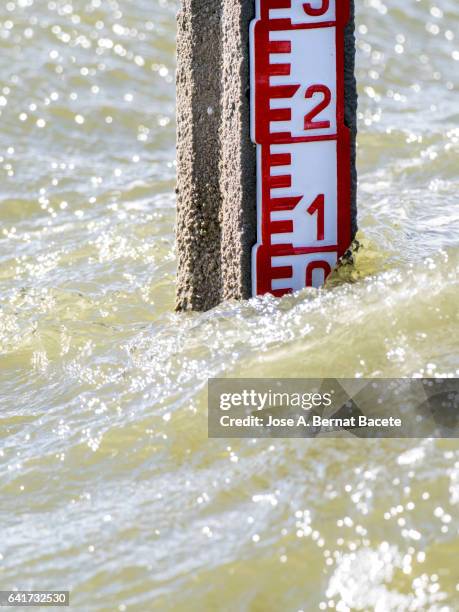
216, 187
216, 161
199, 202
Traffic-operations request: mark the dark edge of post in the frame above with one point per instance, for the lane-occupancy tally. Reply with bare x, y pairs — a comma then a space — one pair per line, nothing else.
350, 109
238, 153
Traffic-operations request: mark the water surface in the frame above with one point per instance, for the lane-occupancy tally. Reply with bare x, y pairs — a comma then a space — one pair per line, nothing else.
109, 486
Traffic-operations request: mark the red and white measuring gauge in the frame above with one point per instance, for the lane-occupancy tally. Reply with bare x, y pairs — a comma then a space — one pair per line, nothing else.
303, 145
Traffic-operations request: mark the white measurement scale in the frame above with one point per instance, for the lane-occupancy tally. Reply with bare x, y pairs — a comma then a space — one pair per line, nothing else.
303, 145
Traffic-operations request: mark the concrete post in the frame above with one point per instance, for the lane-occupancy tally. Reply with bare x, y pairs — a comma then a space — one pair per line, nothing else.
199, 201
216, 160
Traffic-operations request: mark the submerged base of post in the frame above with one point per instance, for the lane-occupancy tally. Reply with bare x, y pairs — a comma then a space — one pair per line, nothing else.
216, 160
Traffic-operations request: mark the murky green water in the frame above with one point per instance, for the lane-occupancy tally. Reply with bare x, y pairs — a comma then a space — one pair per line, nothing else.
109, 486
